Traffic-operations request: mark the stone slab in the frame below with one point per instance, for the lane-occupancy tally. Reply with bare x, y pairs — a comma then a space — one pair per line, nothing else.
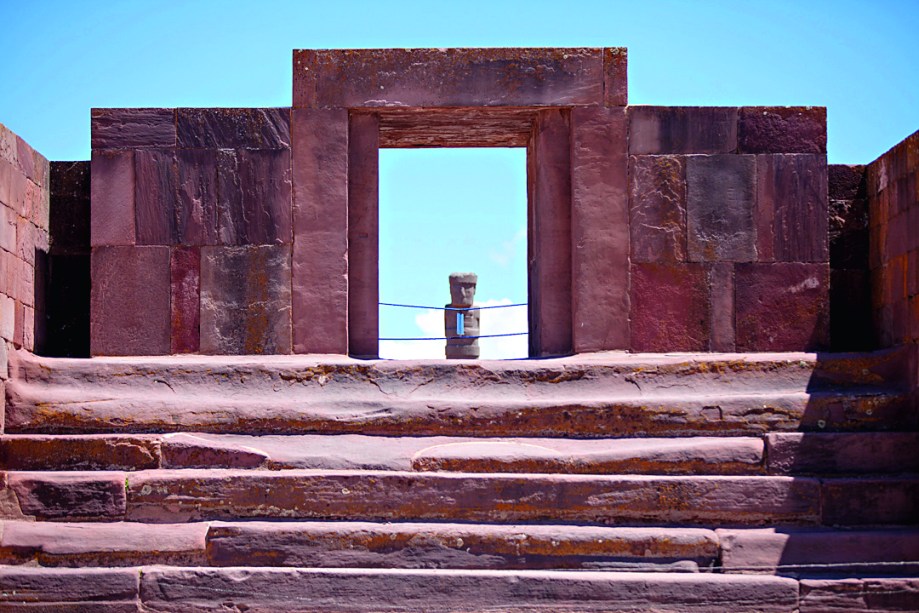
782, 306
599, 229
182, 450
615, 76
791, 208
103, 544
253, 197
192, 495
155, 196
132, 128
657, 207
9, 227
682, 129
799, 553
860, 501
421, 545
130, 310
721, 284
843, 595
185, 302
80, 452
74, 495
113, 198
36, 585
245, 300
196, 200
221, 128
320, 222
346, 590
721, 198
782, 129
360, 78
835, 453
670, 307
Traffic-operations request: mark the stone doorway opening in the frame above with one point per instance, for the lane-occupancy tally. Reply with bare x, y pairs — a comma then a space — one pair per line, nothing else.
444, 210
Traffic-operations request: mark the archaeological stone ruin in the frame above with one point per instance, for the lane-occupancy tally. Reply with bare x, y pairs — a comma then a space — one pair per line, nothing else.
720, 412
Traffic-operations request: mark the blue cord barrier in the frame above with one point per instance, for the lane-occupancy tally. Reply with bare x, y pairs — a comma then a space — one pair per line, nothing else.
452, 338
472, 308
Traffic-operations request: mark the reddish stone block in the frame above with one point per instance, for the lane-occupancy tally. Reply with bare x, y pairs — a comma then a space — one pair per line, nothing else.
6, 177
7, 317
835, 453
550, 247
867, 501
882, 595
599, 229
67, 590
25, 240
670, 307
363, 235
133, 128
245, 300
112, 198
791, 208
720, 196
24, 157
185, 271
682, 129
80, 452
899, 235
49, 496
448, 77
129, 310
189, 451
615, 76
253, 197
233, 128
19, 325
782, 129
721, 282
320, 221
657, 207
155, 196
26, 276
196, 202
782, 306
9, 227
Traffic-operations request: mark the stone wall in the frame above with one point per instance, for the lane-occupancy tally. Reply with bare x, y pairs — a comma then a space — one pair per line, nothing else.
24, 207
191, 231
728, 225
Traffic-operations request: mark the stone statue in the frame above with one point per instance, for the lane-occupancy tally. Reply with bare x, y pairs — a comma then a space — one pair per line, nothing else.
460, 320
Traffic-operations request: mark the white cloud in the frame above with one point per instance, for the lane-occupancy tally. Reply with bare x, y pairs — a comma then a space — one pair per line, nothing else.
509, 249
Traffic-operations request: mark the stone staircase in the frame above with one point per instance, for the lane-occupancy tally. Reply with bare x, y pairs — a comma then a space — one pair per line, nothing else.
709, 482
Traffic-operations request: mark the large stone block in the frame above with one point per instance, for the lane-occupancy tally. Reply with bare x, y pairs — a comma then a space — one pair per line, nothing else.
670, 307
7, 317
155, 196
657, 207
842, 452
320, 221
185, 271
883, 595
599, 229
721, 284
245, 300
68, 589
234, 128
130, 312
448, 77
791, 208
870, 501
50, 496
615, 73
133, 128
782, 129
846, 182
720, 194
196, 202
782, 306
113, 198
253, 197
9, 227
682, 129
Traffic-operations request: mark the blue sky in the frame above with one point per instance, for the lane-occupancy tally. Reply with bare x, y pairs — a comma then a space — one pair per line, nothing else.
859, 59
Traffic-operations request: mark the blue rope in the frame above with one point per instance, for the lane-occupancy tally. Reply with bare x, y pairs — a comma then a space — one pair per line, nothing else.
452, 338
472, 308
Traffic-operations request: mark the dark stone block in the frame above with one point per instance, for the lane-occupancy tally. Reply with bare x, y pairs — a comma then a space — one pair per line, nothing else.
848, 234
253, 197
782, 306
720, 194
782, 129
155, 196
133, 128
846, 182
791, 208
234, 128
185, 272
196, 200
245, 300
657, 206
682, 129
70, 207
68, 295
130, 312
670, 307
112, 188
860, 501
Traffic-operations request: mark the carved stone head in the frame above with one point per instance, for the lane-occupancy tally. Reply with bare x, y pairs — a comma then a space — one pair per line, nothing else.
462, 288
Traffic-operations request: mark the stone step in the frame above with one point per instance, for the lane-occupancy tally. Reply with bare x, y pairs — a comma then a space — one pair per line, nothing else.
169, 496
693, 455
360, 545
171, 589
35, 409
837, 453
810, 553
